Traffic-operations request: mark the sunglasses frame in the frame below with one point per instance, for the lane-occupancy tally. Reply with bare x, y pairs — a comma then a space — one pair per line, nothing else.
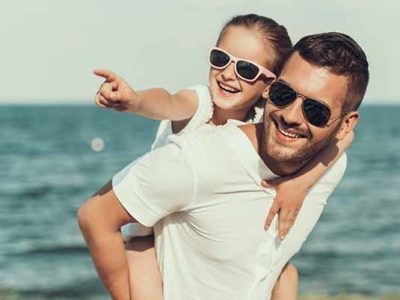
298, 95
261, 70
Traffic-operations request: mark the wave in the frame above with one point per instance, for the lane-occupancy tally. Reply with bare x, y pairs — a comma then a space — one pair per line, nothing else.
55, 250
86, 289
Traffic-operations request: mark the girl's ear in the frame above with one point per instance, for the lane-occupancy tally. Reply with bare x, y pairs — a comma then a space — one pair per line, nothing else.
265, 92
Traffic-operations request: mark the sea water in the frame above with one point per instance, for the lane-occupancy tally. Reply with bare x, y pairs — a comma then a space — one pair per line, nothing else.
52, 158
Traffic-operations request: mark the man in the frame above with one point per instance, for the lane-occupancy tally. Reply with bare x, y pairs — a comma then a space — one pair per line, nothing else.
194, 190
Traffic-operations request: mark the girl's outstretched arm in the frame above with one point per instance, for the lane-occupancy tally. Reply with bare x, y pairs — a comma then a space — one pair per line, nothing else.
292, 190
155, 103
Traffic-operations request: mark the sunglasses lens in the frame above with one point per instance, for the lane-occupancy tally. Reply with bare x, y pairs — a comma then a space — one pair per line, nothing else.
280, 94
316, 113
247, 70
218, 58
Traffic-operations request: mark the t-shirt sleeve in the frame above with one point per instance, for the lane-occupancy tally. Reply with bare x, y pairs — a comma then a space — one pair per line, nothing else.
307, 218
200, 117
204, 109
155, 185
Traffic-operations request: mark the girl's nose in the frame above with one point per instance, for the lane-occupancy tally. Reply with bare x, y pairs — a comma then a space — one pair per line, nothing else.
229, 72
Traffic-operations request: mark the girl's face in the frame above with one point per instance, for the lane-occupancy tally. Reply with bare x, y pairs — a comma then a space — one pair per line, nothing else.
228, 91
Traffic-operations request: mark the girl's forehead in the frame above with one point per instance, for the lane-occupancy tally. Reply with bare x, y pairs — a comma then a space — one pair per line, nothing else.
247, 43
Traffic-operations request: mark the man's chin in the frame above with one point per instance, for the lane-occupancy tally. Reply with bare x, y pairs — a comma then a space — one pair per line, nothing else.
291, 152
282, 151
293, 155
283, 155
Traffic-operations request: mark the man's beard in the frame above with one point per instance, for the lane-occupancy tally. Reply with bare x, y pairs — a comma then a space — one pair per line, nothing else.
294, 157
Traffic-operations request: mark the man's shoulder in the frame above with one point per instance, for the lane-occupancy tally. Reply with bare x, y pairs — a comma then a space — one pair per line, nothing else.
252, 132
205, 134
214, 146
230, 137
163, 170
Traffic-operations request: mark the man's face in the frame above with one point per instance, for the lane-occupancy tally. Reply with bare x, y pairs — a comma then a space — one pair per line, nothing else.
288, 137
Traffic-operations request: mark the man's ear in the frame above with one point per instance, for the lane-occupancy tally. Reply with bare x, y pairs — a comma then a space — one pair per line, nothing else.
348, 123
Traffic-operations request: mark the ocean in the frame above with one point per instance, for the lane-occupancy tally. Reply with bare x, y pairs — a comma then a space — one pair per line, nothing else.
50, 162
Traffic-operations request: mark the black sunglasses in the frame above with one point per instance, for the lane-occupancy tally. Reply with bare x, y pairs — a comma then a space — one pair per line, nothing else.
315, 112
244, 69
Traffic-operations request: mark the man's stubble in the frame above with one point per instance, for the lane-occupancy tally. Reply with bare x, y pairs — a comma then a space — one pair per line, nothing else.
293, 158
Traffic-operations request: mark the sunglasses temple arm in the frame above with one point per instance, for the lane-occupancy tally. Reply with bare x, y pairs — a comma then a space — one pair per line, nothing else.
268, 74
336, 118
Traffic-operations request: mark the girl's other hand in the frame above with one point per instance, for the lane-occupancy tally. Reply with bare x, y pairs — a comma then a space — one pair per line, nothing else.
287, 203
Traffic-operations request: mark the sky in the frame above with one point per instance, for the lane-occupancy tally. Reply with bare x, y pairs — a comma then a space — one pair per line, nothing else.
50, 47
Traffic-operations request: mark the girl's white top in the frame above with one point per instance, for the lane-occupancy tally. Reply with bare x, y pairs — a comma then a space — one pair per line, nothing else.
202, 116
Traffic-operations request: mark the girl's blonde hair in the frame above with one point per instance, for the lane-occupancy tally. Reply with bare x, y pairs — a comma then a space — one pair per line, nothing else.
274, 34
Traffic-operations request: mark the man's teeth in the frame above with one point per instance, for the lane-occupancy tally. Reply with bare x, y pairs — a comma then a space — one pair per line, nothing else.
227, 88
288, 134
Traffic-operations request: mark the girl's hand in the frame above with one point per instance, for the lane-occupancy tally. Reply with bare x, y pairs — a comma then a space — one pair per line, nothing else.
115, 93
287, 203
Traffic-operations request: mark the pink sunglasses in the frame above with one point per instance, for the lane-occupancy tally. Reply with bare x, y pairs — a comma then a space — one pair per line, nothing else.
244, 69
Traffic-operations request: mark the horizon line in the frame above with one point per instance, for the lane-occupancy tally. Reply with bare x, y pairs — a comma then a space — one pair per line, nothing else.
91, 103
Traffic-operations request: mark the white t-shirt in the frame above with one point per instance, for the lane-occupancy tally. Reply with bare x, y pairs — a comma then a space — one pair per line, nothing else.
202, 194
202, 115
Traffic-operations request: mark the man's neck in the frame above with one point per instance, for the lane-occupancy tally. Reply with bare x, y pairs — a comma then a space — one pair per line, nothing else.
255, 133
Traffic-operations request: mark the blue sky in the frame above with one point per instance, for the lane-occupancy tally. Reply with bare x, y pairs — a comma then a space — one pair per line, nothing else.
48, 48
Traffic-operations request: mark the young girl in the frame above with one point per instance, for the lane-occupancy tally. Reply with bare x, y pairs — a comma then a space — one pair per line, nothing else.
250, 50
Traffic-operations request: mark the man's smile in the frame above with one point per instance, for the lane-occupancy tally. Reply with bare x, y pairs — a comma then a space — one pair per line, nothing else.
285, 134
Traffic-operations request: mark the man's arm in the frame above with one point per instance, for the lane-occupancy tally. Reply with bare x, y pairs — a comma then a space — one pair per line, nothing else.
150, 188
100, 219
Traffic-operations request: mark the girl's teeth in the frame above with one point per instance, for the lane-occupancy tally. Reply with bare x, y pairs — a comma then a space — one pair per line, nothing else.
228, 89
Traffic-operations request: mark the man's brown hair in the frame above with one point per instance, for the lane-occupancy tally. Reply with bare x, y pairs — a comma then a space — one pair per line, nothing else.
341, 55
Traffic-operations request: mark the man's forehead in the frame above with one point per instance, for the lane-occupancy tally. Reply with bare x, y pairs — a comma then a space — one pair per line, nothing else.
297, 69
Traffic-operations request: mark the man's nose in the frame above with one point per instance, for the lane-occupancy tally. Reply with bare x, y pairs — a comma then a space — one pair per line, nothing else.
292, 115
229, 72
